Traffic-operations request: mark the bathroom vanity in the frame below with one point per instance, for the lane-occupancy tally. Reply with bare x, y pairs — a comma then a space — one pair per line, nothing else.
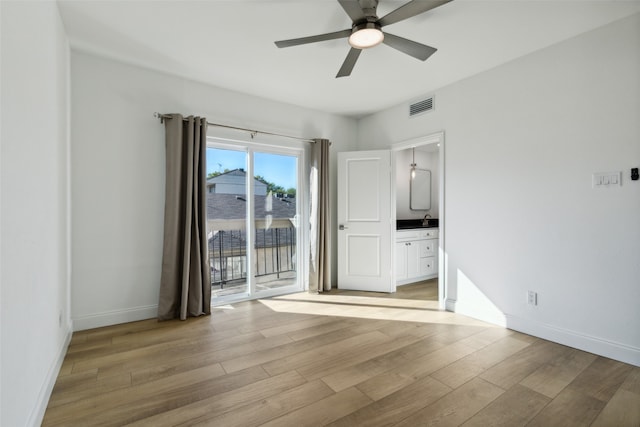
416, 251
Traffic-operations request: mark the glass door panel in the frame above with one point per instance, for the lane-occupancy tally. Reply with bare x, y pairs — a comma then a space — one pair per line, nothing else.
253, 217
227, 223
276, 214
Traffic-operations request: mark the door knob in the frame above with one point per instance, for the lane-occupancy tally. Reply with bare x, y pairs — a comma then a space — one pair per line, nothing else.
342, 227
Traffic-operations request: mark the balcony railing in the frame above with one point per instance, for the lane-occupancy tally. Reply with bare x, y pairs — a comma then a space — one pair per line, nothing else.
274, 254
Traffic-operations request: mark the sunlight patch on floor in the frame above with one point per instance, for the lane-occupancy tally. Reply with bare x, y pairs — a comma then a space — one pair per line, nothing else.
362, 300
378, 308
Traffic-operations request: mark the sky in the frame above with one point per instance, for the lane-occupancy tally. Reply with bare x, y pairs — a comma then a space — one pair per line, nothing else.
276, 168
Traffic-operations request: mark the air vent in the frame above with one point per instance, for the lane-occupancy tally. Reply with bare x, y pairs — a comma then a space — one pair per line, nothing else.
421, 106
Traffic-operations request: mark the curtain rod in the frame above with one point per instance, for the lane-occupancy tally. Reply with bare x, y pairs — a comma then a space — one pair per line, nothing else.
253, 133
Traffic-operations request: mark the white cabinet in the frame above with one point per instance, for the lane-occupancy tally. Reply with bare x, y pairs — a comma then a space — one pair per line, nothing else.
401, 260
416, 255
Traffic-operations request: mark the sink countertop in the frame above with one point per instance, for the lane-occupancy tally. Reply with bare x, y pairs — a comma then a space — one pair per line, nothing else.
409, 224
406, 227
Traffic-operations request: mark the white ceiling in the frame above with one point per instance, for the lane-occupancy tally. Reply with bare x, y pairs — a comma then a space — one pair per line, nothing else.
229, 44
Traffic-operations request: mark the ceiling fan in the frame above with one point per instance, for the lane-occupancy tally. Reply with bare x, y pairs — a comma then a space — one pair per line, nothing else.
366, 30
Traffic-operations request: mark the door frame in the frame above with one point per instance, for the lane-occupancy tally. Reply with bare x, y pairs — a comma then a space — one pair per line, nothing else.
274, 145
434, 138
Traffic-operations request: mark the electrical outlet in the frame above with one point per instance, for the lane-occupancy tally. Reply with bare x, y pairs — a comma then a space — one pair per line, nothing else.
532, 298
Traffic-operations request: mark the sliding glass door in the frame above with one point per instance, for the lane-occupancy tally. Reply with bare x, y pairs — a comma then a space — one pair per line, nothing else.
276, 221
253, 215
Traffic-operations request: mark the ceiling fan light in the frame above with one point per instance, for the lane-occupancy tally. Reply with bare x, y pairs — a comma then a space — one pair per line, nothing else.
366, 37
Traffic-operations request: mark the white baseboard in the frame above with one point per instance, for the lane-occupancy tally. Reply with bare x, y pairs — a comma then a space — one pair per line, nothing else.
476, 311
114, 317
613, 350
602, 347
450, 305
36, 417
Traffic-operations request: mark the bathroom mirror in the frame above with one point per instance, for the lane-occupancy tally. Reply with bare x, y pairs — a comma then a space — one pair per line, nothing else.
420, 190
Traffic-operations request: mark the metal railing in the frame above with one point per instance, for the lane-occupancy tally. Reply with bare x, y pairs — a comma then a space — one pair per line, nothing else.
274, 254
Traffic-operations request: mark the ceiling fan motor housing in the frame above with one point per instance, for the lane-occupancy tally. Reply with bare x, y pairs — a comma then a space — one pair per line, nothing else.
366, 30
369, 35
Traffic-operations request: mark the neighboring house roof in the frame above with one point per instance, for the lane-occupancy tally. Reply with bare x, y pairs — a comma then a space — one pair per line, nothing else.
234, 206
234, 182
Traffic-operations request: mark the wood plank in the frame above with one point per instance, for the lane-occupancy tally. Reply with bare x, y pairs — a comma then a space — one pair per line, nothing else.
602, 378
515, 368
485, 337
318, 369
162, 353
86, 387
456, 407
569, 408
623, 410
289, 327
257, 413
467, 368
455, 333
516, 407
420, 330
66, 368
552, 377
323, 411
243, 361
349, 376
401, 376
270, 321
142, 326
183, 359
334, 325
632, 382
118, 407
236, 396
396, 406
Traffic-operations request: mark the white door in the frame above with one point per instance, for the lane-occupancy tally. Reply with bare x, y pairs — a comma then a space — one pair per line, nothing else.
364, 221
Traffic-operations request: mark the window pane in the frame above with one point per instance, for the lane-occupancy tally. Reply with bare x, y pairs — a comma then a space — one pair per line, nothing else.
275, 210
226, 221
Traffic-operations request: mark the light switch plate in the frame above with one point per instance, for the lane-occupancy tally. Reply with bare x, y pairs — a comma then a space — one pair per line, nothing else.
606, 179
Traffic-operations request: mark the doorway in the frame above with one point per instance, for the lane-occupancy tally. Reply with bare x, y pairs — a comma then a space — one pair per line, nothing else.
253, 220
403, 167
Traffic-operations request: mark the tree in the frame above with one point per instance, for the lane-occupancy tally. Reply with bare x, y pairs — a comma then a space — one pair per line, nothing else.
271, 187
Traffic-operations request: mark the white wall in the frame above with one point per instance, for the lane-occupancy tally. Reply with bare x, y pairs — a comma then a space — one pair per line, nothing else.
424, 160
522, 141
118, 175
34, 259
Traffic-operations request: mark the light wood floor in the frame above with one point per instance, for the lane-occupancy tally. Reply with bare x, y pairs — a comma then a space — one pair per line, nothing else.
340, 359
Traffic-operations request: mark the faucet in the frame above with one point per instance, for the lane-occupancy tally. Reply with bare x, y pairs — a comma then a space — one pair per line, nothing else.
425, 220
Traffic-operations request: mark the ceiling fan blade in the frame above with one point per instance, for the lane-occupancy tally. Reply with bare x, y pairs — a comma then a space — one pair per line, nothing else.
313, 39
413, 8
349, 62
417, 50
353, 9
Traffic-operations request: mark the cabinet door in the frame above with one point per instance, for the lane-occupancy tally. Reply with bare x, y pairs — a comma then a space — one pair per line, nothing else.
401, 261
413, 259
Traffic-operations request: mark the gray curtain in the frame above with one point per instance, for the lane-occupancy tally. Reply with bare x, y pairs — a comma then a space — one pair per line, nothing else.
320, 218
185, 284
